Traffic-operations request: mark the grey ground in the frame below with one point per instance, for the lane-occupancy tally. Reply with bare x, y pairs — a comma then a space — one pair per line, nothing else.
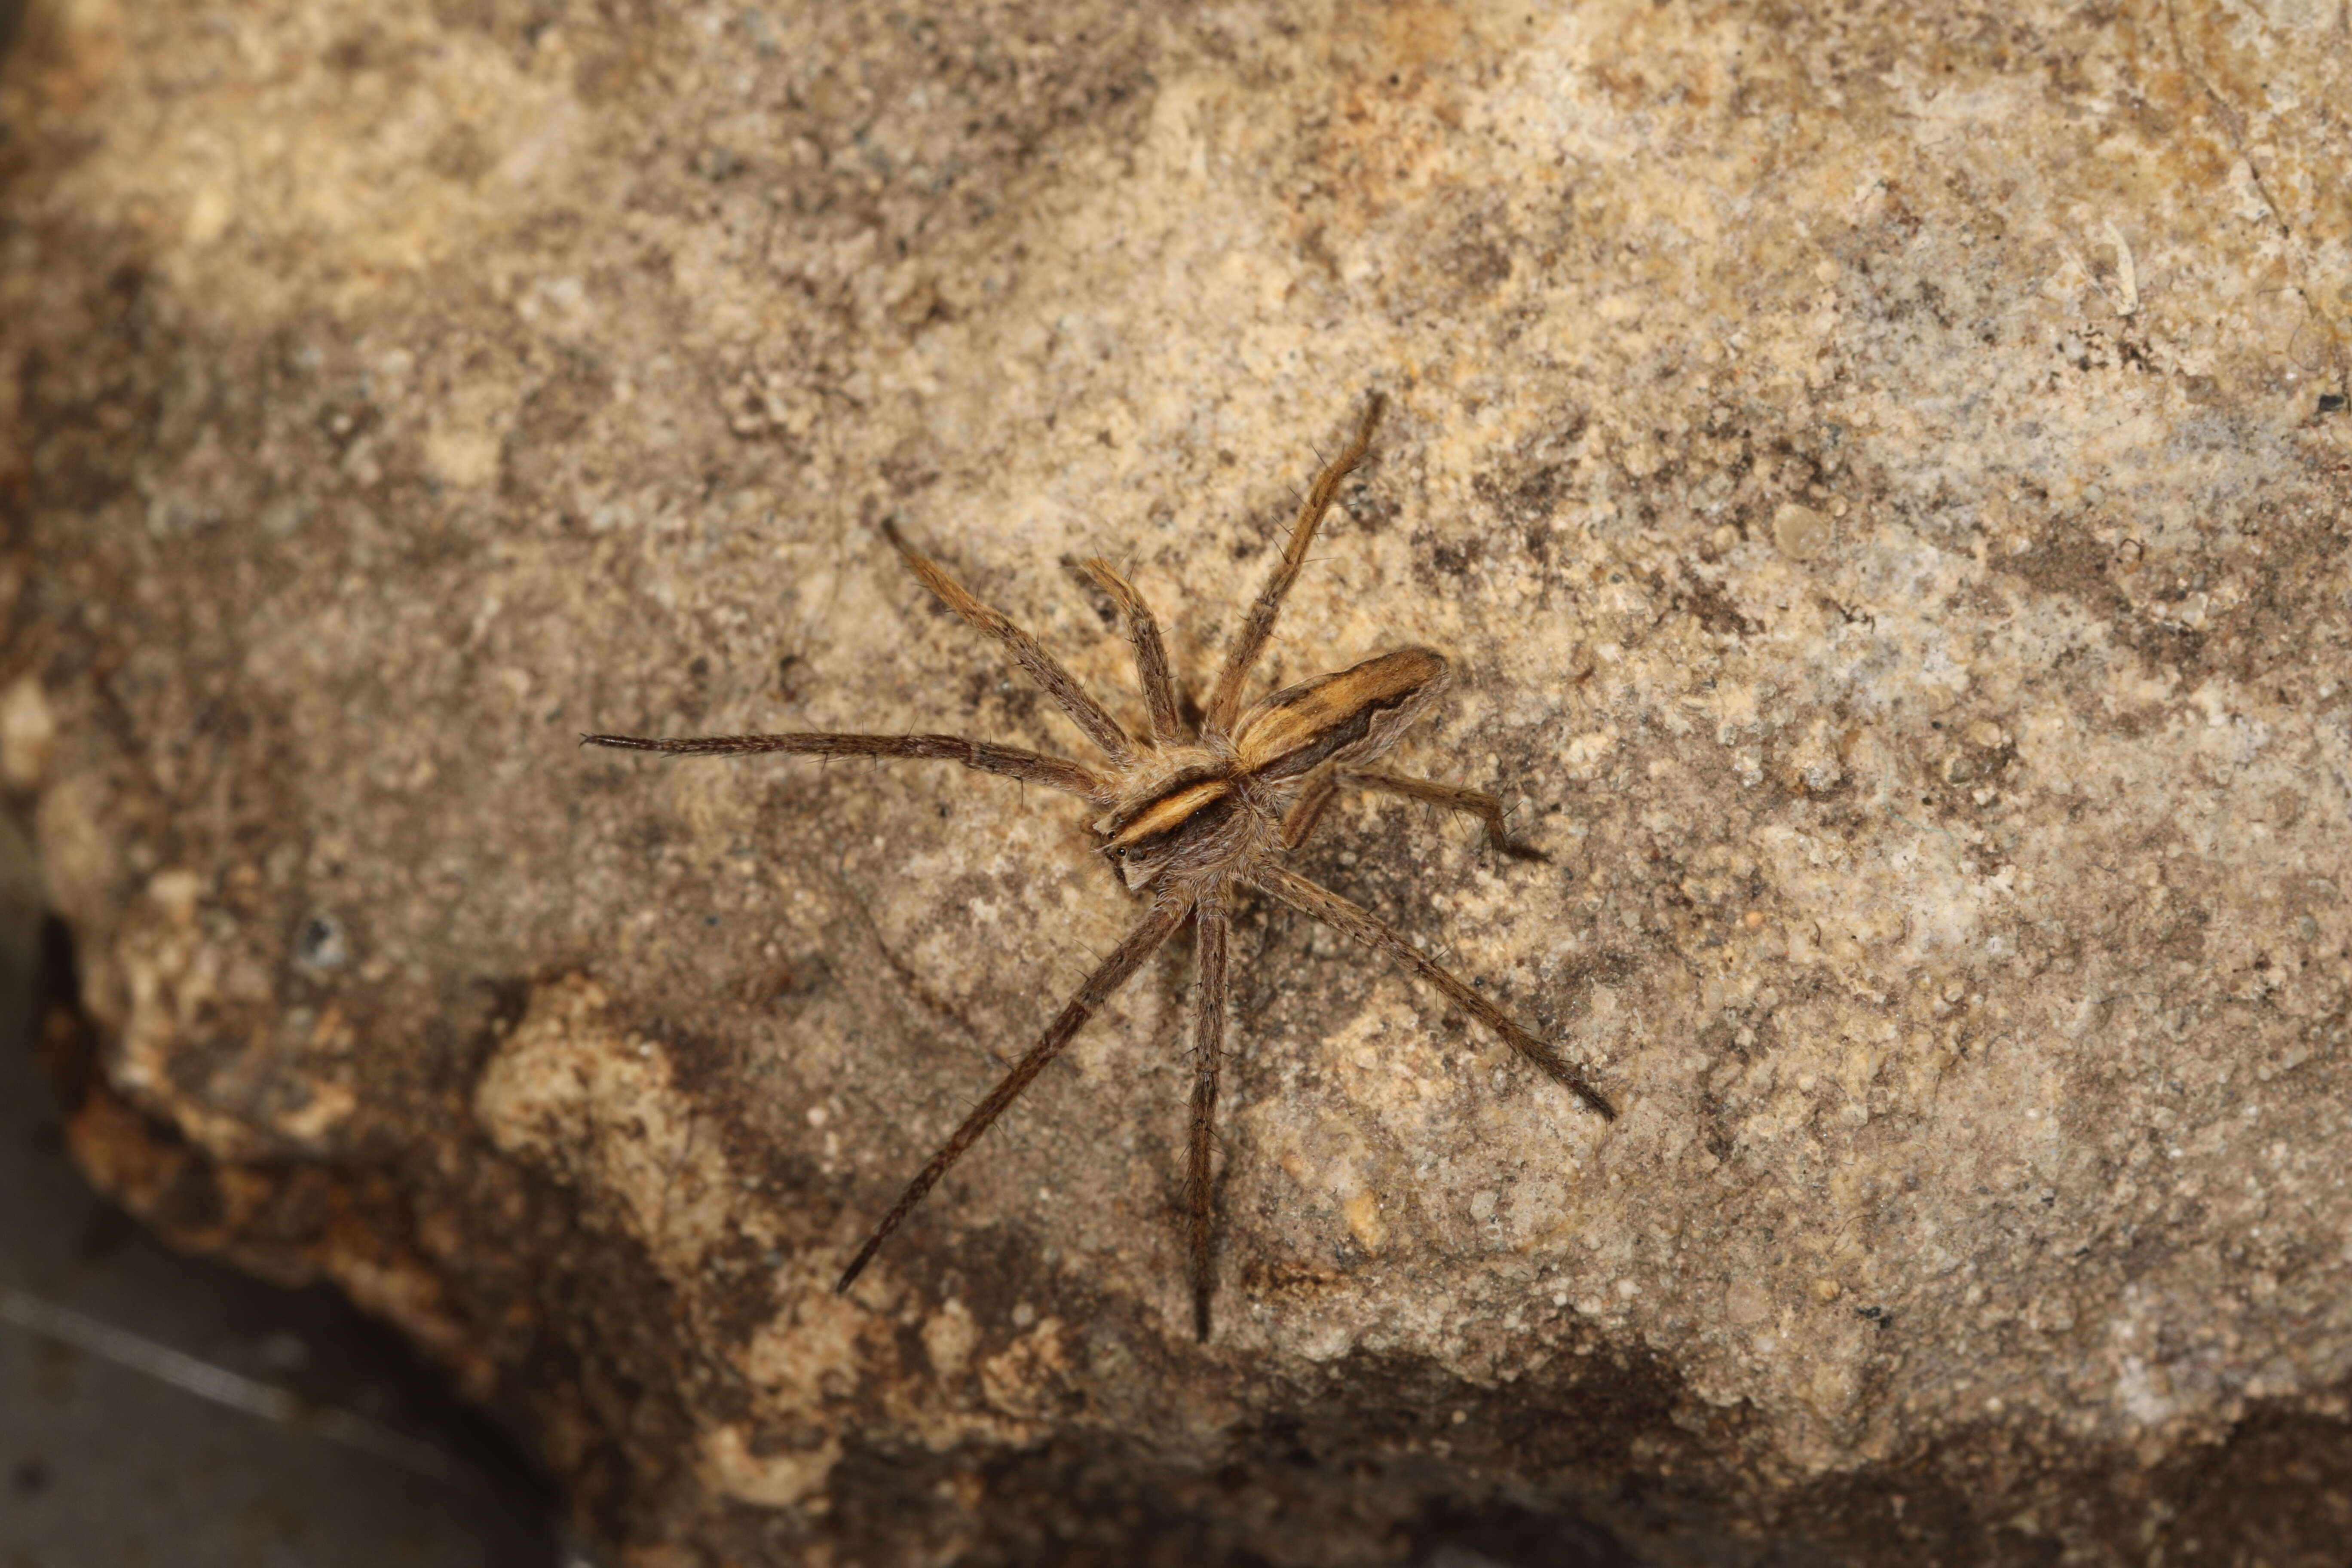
109, 1465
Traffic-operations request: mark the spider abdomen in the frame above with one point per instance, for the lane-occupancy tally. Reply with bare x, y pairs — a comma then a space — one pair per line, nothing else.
1348, 717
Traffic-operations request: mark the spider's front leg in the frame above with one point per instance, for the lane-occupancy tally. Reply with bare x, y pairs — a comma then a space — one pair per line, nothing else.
1012, 761
1226, 696
1151, 671
1024, 650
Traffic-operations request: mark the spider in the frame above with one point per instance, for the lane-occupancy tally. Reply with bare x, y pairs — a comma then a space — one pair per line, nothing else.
1192, 816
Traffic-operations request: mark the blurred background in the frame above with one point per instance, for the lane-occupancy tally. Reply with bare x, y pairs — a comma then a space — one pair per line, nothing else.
167, 1410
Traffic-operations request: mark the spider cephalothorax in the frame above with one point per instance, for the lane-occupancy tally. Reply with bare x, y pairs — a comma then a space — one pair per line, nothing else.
1193, 816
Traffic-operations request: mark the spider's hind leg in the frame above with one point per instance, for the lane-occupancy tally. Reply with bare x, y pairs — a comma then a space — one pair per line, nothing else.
1354, 920
1109, 976
1307, 811
1452, 797
1212, 923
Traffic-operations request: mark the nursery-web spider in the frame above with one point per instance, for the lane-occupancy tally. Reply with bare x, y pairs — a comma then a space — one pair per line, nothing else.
1192, 816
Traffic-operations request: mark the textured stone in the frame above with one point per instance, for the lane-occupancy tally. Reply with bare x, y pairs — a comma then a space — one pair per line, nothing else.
1881, 478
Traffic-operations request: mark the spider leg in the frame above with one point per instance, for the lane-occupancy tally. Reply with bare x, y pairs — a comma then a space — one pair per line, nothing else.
1030, 767
1225, 697
1313, 899
1113, 972
1209, 926
1025, 651
1306, 812
1151, 655
1309, 808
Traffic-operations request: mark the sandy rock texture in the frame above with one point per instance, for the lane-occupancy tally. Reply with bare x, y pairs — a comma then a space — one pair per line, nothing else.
1881, 473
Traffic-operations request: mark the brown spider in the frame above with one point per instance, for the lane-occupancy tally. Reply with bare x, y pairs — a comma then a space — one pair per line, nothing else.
1192, 816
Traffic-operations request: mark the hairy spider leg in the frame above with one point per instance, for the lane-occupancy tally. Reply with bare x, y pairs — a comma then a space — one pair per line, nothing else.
1025, 651
1313, 899
1307, 811
1029, 767
1151, 671
1210, 923
1225, 697
1307, 808
1166, 915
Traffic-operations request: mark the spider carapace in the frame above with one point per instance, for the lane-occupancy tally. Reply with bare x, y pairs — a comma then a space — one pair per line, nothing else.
1193, 817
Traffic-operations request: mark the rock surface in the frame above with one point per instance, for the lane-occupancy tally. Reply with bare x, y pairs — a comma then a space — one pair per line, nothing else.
1882, 477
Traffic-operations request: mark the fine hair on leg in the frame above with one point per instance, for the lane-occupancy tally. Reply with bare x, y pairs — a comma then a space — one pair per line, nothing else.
1210, 922
1310, 897
1151, 671
1113, 972
1025, 651
1309, 808
1029, 767
1225, 697
1307, 811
